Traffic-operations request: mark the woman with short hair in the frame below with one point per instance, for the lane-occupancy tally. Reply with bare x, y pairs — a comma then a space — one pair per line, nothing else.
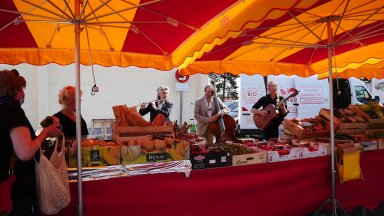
67, 114
18, 141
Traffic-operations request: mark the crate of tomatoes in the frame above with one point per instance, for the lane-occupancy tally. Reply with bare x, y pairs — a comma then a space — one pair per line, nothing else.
307, 127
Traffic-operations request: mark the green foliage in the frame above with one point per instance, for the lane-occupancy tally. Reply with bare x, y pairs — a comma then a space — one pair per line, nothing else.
226, 86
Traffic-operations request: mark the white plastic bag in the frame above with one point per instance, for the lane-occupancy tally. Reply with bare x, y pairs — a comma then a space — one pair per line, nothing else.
52, 181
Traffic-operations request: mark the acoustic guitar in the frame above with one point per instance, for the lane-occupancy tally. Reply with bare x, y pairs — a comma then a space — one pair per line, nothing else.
263, 122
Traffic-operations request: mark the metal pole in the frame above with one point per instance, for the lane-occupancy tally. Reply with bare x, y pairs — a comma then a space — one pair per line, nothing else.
334, 202
78, 110
181, 109
332, 126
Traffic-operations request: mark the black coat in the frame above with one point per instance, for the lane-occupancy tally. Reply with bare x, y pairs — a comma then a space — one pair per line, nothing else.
165, 110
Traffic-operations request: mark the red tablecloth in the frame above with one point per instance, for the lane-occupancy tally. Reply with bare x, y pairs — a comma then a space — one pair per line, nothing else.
291, 188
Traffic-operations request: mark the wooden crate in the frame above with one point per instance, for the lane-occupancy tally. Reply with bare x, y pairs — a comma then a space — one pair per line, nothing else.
295, 129
125, 133
352, 128
375, 126
327, 115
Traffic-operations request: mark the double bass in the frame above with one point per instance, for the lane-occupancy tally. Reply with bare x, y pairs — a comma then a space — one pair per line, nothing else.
224, 128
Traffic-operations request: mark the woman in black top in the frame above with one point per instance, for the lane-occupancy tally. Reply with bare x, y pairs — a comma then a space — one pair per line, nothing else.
162, 105
272, 130
18, 138
67, 115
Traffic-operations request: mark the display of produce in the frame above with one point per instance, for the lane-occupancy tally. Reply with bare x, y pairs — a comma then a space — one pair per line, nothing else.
372, 109
94, 153
136, 141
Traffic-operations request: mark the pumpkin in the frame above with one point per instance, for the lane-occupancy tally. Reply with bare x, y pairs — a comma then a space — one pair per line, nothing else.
159, 144
169, 141
146, 144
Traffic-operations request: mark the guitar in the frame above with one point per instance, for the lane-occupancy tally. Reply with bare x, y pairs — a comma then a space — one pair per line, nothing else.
263, 122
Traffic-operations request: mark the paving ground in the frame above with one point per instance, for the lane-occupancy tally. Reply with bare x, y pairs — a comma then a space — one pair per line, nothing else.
359, 211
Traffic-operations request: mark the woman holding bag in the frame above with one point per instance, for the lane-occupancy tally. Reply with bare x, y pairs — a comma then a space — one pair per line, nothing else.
18, 138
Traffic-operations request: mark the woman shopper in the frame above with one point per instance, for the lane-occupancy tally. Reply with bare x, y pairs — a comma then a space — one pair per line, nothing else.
67, 115
18, 138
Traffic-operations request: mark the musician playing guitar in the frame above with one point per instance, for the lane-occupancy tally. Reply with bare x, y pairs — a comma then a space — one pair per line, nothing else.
271, 130
206, 112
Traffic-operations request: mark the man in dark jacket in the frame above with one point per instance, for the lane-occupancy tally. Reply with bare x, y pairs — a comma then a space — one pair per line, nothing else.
160, 106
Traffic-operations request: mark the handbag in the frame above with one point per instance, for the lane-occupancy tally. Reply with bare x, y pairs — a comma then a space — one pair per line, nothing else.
6, 195
6, 205
52, 181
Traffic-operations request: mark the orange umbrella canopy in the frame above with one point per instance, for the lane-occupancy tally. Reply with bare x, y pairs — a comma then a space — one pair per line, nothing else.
296, 41
145, 33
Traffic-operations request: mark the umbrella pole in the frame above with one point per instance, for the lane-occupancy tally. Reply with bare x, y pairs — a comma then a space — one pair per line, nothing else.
78, 111
333, 200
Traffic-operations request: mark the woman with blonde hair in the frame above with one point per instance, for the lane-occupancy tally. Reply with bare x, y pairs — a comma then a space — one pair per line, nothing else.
67, 115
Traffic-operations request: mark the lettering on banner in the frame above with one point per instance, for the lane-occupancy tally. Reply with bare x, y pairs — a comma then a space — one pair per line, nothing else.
311, 95
157, 156
292, 109
251, 94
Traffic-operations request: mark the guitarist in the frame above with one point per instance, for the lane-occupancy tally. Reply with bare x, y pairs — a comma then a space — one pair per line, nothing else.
272, 129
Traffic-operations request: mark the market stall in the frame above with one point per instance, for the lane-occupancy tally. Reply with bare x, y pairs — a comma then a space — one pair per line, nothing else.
294, 187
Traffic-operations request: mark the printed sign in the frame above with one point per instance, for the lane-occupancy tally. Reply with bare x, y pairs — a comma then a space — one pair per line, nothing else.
311, 95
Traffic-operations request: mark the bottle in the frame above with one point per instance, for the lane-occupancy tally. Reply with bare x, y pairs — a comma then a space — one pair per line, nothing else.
281, 132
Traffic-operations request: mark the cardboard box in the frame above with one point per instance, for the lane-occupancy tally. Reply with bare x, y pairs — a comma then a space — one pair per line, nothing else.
134, 154
347, 148
210, 160
252, 158
95, 156
321, 151
368, 145
274, 156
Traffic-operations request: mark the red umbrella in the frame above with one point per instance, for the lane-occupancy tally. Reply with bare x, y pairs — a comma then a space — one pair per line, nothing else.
337, 36
145, 33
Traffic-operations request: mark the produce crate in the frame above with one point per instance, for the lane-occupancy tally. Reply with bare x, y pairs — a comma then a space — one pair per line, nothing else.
375, 126
135, 155
369, 145
122, 133
352, 128
95, 156
296, 130
327, 115
321, 151
252, 158
274, 156
380, 144
210, 160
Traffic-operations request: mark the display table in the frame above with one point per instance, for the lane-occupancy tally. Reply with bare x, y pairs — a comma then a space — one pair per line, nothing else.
274, 189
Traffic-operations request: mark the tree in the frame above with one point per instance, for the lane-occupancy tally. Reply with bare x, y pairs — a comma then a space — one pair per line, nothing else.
226, 86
